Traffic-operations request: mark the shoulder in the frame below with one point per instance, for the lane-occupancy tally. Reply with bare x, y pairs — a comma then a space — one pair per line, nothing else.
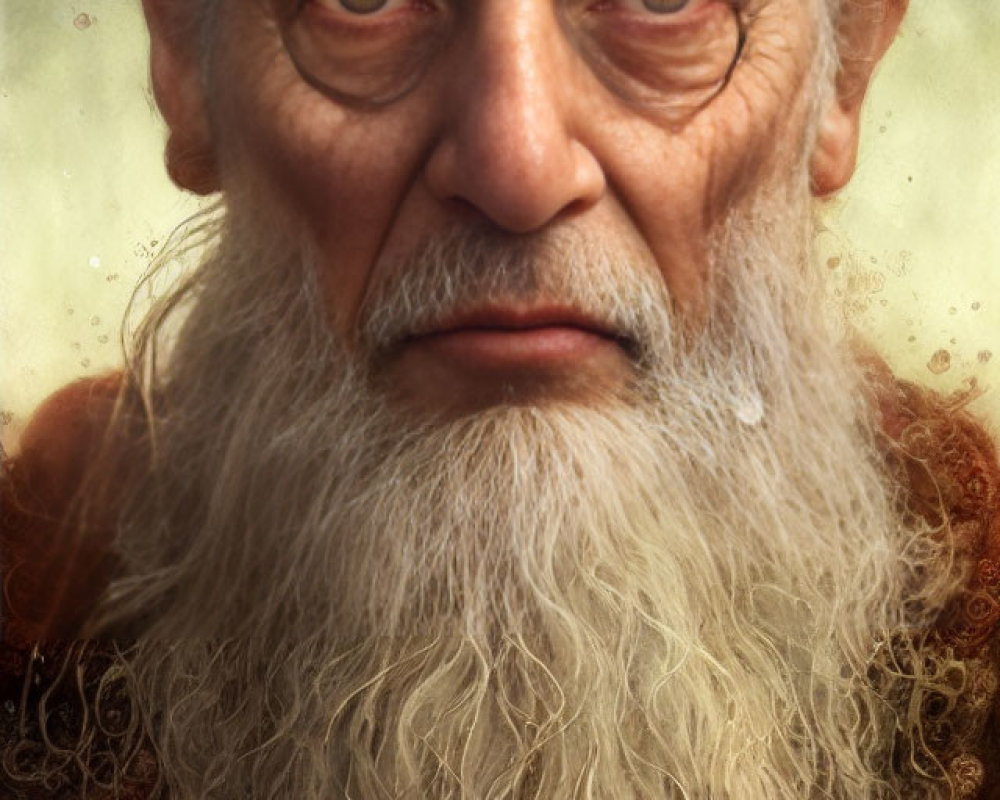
62, 436
943, 455
947, 465
52, 567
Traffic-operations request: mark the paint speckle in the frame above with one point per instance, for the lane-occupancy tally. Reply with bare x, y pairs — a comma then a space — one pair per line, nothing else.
6, 417
898, 263
984, 356
953, 310
911, 338
976, 306
833, 262
95, 262
750, 409
883, 302
95, 321
103, 338
940, 362
953, 341
83, 21
85, 363
76, 346
112, 277
70, 312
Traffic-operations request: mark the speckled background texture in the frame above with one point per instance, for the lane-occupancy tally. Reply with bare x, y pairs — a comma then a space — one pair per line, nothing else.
85, 203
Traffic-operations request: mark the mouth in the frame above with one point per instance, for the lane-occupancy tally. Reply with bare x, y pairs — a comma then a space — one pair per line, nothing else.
522, 340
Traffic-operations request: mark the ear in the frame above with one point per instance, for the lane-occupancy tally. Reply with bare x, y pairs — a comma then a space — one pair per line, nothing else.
174, 33
864, 33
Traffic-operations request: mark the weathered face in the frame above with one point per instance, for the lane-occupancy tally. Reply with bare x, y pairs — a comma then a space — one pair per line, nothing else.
380, 124
538, 599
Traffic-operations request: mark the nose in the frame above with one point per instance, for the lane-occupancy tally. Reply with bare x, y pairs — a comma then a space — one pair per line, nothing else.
510, 147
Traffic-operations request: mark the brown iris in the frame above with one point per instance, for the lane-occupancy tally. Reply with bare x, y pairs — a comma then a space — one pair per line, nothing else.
363, 6
665, 6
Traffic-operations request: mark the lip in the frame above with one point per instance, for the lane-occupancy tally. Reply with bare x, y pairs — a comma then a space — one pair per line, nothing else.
512, 320
499, 339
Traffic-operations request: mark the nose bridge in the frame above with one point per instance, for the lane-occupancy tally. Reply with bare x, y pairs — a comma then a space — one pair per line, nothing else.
510, 148
516, 46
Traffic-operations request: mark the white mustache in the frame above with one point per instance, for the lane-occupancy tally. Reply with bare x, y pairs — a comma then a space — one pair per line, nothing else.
446, 276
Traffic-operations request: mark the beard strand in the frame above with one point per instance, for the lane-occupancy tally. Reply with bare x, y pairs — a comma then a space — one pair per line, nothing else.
677, 591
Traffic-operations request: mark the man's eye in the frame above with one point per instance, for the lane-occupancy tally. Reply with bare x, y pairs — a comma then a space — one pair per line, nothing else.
366, 52
359, 6
363, 6
665, 6
668, 57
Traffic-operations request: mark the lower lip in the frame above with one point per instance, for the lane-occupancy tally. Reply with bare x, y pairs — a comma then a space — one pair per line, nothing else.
542, 348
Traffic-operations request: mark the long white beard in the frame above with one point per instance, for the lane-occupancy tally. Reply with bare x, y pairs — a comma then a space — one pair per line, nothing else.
673, 592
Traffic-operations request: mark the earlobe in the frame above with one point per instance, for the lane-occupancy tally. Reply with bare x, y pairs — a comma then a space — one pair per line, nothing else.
865, 32
835, 153
177, 86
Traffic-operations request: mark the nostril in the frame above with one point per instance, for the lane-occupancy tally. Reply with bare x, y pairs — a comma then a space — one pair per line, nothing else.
464, 211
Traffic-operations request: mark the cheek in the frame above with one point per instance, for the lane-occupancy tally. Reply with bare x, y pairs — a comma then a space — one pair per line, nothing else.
759, 123
677, 187
336, 175
663, 189
681, 185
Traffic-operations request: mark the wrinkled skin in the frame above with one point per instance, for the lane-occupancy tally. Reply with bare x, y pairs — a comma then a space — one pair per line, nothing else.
504, 121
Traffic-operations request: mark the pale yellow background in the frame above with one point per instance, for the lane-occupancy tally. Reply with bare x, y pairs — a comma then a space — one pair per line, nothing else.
85, 202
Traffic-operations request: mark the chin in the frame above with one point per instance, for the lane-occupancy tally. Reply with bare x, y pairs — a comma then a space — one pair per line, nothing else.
432, 386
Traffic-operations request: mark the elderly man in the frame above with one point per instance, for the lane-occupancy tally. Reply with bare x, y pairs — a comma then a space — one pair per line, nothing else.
500, 446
